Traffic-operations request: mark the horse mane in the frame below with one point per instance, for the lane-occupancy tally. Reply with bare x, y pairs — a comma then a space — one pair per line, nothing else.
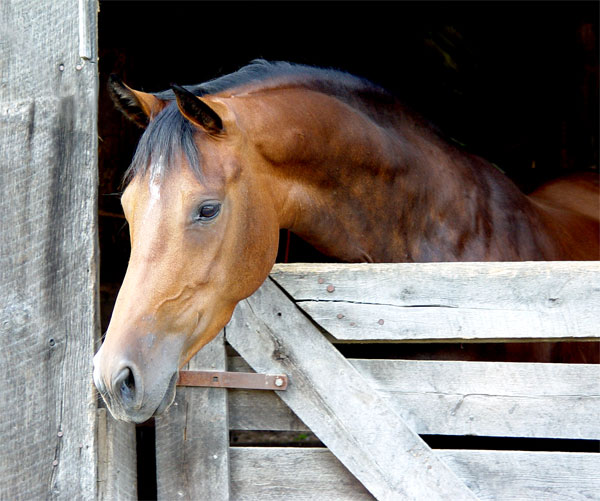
170, 133
265, 75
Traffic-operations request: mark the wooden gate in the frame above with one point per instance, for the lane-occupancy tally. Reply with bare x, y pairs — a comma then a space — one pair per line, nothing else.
370, 412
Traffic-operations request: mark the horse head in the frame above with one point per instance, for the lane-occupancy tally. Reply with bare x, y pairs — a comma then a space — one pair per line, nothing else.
204, 235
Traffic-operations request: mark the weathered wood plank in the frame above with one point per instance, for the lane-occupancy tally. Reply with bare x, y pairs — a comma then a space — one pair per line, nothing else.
515, 475
494, 399
275, 473
117, 472
308, 474
449, 301
329, 395
192, 438
458, 398
252, 410
48, 253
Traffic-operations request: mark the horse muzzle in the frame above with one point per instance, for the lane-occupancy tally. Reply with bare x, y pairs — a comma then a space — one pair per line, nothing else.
130, 393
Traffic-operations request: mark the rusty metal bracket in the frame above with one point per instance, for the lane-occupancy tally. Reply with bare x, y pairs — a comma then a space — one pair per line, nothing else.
239, 380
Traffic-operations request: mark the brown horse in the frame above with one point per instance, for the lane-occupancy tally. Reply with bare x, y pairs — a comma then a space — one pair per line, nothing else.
223, 166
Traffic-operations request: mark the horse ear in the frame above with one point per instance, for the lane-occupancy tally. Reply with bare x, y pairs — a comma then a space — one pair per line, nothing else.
197, 111
138, 106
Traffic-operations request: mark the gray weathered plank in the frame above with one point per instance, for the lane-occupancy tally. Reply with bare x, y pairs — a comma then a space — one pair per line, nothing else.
516, 475
449, 301
192, 437
48, 253
286, 473
117, 472
338, 405
458, 398
311, 474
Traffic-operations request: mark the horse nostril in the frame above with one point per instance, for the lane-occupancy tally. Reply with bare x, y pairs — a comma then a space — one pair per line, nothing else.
124, 384
128, 384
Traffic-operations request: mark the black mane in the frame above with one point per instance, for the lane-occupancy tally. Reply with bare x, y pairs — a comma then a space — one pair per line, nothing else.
170, 133
273, 74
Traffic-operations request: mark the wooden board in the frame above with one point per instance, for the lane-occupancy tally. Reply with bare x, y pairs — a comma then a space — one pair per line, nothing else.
307, 474
117, 466
458, 398
338, 405
48, 250
449, 301
192, 437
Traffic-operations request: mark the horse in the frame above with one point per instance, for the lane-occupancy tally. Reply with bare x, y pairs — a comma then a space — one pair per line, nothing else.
222, 166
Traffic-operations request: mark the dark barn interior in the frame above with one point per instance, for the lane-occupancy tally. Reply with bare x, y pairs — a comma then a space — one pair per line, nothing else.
514, 82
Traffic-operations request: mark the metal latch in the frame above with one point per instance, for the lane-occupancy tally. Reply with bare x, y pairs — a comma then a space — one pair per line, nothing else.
239, 380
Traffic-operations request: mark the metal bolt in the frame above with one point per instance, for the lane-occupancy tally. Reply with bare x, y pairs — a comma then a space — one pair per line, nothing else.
78, 66
330, 288
60, 434
279, 382
320, 280
61, 67
55, 462
340, 316
380, 321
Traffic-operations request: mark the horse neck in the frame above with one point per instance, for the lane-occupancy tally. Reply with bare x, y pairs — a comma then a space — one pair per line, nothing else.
362, 192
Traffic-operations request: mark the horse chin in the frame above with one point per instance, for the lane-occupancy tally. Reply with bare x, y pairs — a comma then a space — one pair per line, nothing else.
169, 396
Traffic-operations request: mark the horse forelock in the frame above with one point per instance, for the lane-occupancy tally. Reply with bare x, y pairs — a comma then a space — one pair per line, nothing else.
167, 140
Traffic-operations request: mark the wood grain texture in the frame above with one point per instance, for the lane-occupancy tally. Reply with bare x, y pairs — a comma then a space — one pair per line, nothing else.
516, 475
48, 253
449, 301
308, 474
458, 398
276, 473
117, 466
338, 405
192, 437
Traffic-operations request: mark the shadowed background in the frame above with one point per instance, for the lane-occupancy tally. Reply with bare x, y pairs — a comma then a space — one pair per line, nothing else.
515, 82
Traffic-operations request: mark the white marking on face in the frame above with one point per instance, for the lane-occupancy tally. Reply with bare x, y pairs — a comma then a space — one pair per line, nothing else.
156, 175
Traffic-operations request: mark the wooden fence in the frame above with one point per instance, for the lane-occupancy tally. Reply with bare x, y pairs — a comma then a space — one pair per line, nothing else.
369, 413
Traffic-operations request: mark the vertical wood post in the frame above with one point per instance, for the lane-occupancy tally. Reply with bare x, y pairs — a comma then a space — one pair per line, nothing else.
117, 465
192, 438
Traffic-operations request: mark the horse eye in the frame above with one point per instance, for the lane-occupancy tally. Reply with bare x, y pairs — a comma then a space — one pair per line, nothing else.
208, 211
